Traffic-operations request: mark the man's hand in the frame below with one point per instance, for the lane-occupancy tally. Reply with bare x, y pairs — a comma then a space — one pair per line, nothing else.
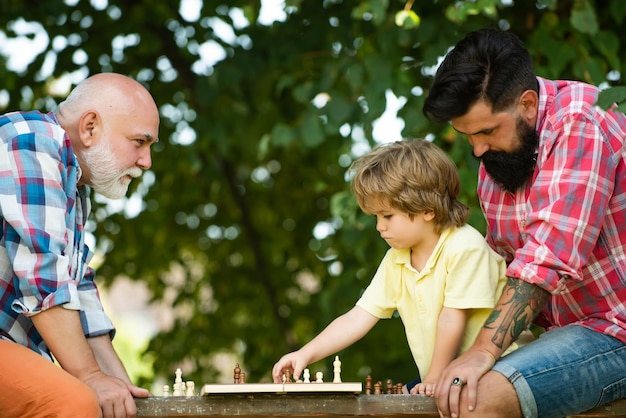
462, 374
114, 395
138, 392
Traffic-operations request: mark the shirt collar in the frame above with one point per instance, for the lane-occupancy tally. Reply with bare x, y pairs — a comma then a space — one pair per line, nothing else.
547, 94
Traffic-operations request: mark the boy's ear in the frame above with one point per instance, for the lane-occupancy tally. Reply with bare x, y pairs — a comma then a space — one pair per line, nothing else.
429, 216
89, 127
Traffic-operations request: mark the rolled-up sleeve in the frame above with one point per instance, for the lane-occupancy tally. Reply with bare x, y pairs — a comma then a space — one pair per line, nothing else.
94, 320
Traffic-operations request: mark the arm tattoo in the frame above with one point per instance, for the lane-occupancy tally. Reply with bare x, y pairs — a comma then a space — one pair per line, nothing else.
518, 306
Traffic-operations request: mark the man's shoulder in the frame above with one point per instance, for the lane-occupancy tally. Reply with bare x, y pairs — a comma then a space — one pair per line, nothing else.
17, 116
567, 95
14, 124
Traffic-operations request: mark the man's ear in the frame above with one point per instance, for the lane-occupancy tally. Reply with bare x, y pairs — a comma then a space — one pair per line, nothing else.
89, 128
529, 105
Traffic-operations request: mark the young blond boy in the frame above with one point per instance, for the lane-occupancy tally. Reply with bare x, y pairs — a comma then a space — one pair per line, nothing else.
439, 274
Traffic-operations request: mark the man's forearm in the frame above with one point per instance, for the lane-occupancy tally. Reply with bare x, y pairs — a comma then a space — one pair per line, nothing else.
61, 330
107, 358
518, 306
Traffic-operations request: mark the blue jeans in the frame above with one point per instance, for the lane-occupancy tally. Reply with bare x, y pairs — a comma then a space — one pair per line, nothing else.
566, 371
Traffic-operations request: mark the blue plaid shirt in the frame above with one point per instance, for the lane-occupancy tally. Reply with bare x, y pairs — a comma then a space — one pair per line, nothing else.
43, 257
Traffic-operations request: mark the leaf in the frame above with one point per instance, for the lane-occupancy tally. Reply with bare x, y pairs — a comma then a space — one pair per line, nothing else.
608, 44
311, 130
282, 135
618, 10
339, 110
591, 70
583, 17
407, 19
610, 96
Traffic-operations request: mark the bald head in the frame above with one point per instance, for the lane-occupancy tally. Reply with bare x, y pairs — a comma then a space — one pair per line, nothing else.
110, 97
105, 92
114, 111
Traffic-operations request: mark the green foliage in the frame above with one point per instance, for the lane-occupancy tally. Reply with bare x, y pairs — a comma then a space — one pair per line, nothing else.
254, 151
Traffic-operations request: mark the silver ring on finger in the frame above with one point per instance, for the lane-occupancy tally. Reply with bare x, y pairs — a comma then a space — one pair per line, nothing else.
457, 381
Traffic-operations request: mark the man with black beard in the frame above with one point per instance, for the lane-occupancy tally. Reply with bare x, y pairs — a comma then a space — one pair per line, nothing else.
512, 169
552, 187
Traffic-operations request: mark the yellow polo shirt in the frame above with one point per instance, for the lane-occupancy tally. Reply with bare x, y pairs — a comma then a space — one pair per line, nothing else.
463, 272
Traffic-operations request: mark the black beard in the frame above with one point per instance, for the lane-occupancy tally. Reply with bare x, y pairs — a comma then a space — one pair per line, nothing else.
511, 170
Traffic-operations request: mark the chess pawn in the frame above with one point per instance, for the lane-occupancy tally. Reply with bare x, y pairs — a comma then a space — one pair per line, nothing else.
236, 373
166, 390
319, 377
378, 388
337, 370
177, 391
190, 388
306, 376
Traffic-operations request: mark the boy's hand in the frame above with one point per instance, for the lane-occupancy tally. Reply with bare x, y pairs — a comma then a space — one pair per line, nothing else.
424, 388
288, 365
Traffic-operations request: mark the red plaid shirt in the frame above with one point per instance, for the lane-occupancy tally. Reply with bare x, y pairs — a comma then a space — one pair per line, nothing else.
566, 231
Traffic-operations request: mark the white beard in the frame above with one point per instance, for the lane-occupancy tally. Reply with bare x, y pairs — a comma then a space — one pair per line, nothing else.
107, 178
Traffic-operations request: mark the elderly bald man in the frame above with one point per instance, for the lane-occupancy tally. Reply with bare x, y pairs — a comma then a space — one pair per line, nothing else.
99, 138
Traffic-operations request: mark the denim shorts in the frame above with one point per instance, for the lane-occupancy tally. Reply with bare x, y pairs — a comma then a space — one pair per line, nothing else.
566, 371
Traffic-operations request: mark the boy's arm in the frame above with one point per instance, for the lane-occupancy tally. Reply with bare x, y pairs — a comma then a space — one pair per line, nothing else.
339, 334
450, 331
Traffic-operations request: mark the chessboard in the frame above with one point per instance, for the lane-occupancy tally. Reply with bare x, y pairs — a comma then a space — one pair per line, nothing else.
240, 386
287, 386
282, 388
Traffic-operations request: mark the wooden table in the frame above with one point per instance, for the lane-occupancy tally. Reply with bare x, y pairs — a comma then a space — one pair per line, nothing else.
311, 405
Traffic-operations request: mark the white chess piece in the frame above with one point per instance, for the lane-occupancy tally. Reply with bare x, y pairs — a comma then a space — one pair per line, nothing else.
190, 388
166, 390
319, 377
306, 376
178, 383
337, 370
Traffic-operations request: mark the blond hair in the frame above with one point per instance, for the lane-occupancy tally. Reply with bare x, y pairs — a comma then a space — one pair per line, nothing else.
413, 176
